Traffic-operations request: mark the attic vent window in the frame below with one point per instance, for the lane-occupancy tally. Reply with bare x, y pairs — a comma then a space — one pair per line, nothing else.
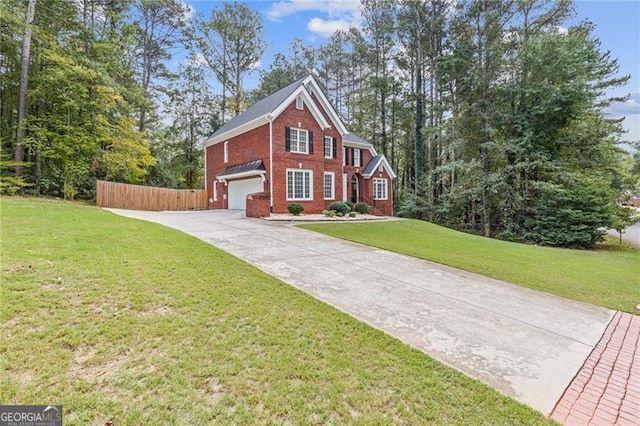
299, 103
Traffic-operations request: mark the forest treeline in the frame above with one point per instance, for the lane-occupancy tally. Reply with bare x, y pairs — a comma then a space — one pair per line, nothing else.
492, 112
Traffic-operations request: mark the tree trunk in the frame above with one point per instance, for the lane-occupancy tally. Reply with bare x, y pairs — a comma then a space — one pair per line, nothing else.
419, 119
22, 91
485, 156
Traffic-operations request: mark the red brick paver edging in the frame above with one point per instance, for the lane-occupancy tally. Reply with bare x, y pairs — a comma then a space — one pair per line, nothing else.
606, 390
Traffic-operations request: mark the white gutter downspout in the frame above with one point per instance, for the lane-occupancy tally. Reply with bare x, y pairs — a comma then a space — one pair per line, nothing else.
270, 118
206, 178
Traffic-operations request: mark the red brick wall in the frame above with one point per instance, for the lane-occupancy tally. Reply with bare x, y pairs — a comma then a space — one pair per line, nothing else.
383, 207
258, 205
253, 145
315, 162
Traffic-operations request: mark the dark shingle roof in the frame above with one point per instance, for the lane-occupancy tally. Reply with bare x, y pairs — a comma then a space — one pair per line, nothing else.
260, 108
350, 137
256, 165
373, 164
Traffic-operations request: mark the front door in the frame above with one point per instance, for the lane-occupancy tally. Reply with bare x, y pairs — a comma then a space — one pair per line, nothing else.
354, 189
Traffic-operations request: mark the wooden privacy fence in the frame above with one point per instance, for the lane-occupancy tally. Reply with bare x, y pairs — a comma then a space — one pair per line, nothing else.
136, 197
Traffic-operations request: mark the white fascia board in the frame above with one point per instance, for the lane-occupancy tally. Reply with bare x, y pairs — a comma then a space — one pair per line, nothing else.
315, 111
260, 173
237, 131
360, 145
386, 165
382, 161
326, 104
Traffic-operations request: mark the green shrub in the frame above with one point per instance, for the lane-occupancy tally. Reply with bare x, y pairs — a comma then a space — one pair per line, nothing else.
572, 214
340, 207
295, 208
362, 207
329, 213
339, 214
352, 214
352, 207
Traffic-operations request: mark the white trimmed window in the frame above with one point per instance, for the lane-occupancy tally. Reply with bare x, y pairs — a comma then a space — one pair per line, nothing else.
215, 190
356, 157
299, 140
226, 152
299, 185
329, 186
379, 189
299, 103
328, 147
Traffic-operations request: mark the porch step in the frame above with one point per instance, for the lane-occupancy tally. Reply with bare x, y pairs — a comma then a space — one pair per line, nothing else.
375, 211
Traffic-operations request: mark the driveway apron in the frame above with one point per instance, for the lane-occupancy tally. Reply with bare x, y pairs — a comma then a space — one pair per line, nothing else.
526, 344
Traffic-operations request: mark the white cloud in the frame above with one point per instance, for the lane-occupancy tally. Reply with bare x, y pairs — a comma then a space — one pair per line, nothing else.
335, 14
189, 10
630, 111
334, 8
326, 28
631, 125
197, 60
629, 107
256, 65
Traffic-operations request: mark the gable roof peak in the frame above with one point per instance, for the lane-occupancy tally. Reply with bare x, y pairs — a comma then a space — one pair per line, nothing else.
266, 109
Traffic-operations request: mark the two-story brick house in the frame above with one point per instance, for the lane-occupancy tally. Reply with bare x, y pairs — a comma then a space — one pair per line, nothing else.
292, 147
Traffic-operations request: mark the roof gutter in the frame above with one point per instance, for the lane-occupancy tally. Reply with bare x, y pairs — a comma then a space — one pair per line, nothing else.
257, 122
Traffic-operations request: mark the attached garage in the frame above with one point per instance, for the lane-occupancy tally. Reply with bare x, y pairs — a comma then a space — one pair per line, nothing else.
239, 189
242, 180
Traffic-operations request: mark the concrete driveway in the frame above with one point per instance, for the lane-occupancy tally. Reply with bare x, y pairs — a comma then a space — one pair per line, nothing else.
526, 344
631, 235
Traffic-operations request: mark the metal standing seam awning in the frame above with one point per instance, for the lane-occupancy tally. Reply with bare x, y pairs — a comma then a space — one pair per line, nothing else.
250, 168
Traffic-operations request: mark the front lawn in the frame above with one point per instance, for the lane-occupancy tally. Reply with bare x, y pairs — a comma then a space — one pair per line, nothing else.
119, 319
609, 276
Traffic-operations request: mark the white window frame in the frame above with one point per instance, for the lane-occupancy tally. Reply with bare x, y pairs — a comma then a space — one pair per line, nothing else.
344, 156
226, 152
328, 142
332, 195
383, 185
291, 196
299, 103
356, 157
294, 145
215, 190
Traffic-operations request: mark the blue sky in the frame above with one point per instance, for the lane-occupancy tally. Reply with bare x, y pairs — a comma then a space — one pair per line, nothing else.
313, 21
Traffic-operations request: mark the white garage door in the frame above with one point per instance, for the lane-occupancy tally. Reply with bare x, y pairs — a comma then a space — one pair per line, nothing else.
239, 189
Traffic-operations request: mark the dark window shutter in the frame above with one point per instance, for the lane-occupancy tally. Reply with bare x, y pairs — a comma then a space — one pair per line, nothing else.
346, 156
335, 148
287, 139
310, 142
353, 157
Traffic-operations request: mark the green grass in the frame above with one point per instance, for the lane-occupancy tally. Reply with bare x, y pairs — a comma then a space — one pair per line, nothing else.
609, 276
124, 320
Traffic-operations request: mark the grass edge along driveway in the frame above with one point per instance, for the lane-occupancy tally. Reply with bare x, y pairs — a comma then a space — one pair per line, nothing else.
124, 320
608, 276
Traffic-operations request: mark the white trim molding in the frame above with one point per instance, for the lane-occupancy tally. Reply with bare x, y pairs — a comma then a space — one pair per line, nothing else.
306, 179
332, 195
381, 184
